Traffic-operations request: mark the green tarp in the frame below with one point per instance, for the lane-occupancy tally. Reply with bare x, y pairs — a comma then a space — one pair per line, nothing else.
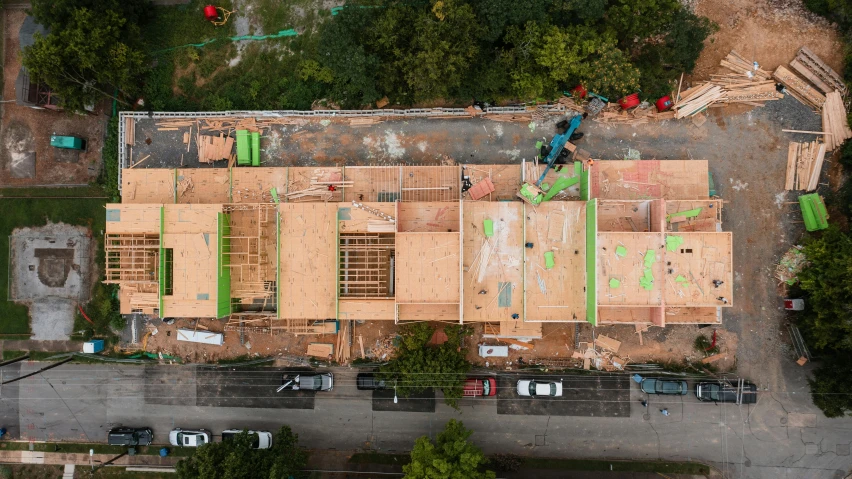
620, 251
688, 213
672, 242
614, 283
489, 228
534, 197
680, 279
813, 212
549, 263
560, 184
255, 148
243, 148
647, 279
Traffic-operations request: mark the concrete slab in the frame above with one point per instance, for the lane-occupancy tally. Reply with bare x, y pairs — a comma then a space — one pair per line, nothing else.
52, 319
50, 262
592, 396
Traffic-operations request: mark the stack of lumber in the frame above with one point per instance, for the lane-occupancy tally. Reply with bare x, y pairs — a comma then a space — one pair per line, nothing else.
130, 130
509, 117
800, 89
613, 113
366, 121
736, 62
343, 351
214, 148
321, 350
804, 164
250, 124
318, 190
834, 122
568, 103
725, 89
810, 66
697, 99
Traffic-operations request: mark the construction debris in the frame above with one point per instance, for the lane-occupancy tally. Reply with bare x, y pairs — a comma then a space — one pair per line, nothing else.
343, 346
791, 264
736, 62
608, 343
383, 350
804, 165
214, 148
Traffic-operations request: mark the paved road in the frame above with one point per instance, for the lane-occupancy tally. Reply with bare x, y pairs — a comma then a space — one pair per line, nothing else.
776, 438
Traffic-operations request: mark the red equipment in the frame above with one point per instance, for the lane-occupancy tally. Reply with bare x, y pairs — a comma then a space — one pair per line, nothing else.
580, 90
629, 101
664, 103
210, 13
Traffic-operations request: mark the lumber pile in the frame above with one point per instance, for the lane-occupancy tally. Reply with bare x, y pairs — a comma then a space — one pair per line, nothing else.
725, 89
343, 350
822, 76
321, 350
804, 165
800, 89
503, 117
737, 63
834, 121
130, 131
214, 148
318, 190
613, 113
368, 121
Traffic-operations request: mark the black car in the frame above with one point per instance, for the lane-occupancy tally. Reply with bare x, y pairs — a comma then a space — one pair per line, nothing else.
723, 392
664, 386
130, 436
369, 381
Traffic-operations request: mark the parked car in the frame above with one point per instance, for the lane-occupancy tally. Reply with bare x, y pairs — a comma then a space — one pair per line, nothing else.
189, 437
310, 382
479, 387
664, 386
723, 392
537, 388
369, 381
259, 439
130, 436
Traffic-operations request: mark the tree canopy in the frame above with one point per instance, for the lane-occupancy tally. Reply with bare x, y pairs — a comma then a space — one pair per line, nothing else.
418, 365
235, 459
92, 49
451, 456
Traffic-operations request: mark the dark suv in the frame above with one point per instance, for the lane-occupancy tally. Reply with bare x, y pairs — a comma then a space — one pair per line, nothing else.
130, 436
724, 392
369, 381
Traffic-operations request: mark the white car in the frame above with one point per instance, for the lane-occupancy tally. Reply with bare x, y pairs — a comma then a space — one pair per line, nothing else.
536, 388
189, 437
259, 439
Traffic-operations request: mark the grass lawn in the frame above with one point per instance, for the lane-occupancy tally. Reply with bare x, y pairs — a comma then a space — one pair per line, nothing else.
34, 355
99, 448
19, 212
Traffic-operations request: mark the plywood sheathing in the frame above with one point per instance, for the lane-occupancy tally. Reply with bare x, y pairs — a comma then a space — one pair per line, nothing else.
300, 179
437, 217
427, 267
367, 309
428, 312
687, 315
556, 294
191, 231
648, 179
203, 185
353, 219
308, 260
372, 183
629, 269
701, 259
520, 329
253, 185
430, 183
154, 185
533, 171
624, 215
710, 218
132, 218
506, 180
503, 265
619, 314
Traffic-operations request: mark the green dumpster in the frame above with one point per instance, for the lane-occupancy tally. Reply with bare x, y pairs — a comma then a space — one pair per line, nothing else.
67, 142
255, 148
243, 149
813, 212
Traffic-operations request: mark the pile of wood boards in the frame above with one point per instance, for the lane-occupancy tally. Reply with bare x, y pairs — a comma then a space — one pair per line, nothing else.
323, 351
214, 148
365, 121
834, 122
822, 76
737, 63
804, 164
601, 354
318, 190
800, 89
725, 89
613, 113
343, 351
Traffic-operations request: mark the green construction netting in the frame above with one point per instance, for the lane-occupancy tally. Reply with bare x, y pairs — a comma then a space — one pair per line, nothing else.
672, 242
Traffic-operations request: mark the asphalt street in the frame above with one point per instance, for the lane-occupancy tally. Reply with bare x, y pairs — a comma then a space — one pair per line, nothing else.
776, 438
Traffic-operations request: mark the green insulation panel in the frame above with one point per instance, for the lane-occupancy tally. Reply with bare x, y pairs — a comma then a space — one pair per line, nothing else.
585, 194
223, 274
243, 148
255, 148
488, 225
813, 212
549, 261
591, 263
560, 184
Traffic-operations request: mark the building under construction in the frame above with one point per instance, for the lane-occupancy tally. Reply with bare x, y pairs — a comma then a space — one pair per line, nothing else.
297, 249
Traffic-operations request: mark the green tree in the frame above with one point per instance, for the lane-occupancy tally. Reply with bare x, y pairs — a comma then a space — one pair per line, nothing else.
88, 57
451, 456
637, 20
611, 74
343, 51
827, 281
497, 15
419, 366
56, 14
831, 386
235, 459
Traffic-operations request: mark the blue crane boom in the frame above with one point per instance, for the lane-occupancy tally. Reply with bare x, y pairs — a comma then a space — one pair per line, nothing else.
558, 144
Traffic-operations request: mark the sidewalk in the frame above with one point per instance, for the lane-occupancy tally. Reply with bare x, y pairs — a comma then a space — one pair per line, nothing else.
31, 345
81, 459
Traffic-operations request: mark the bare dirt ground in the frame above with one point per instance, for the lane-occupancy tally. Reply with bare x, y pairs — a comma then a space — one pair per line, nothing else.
768, 31
29, 130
